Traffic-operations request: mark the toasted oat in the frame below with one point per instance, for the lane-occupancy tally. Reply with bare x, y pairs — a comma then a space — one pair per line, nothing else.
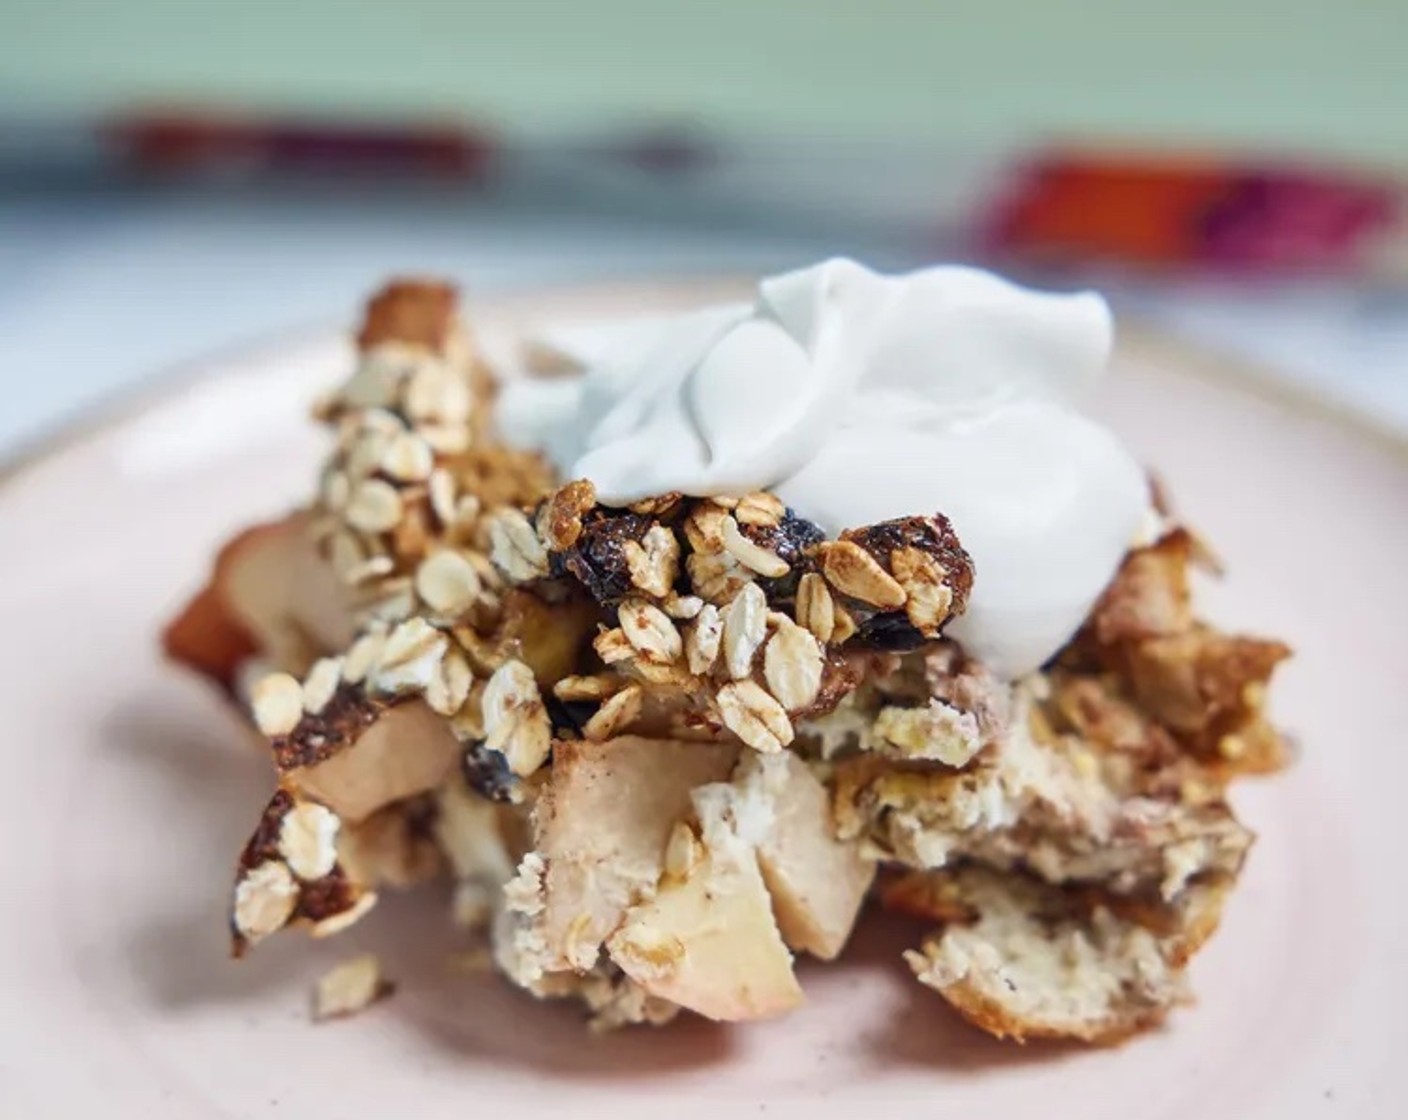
440, 488
560, 520
815, 608
654, 562
650, 631
350, 987
716, 576
308, 840
792, 665
929, 599
752, 556
407, 458
515, 548
616, 715
362, 656
437, 394
613, 647
320, 683
854, 572
682, 606
594, 688
515, 722
277, 701
745, 627
844, 627
265, 898
754, 716
449, 686
703, 528
375, 507
703, 638
448, 582
759, 508
410, 659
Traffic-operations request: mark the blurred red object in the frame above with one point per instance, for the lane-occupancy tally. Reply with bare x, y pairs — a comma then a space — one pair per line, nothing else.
1164, 211
184, 143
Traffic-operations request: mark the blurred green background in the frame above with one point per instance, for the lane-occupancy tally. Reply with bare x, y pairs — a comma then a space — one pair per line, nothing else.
1325, 76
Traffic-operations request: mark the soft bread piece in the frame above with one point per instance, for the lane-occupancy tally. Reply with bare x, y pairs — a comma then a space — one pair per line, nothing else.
708, 940
602, 824
818, 882
383, 754
269, 594
1021, 959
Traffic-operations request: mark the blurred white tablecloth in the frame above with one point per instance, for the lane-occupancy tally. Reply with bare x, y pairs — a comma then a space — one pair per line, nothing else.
101, 292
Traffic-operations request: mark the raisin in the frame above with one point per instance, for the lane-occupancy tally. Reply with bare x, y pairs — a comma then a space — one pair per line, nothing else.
791, 539
933, 535
487, 772
888, 630
598, 560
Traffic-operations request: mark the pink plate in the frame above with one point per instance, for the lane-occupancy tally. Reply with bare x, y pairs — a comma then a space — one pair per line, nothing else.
132, 788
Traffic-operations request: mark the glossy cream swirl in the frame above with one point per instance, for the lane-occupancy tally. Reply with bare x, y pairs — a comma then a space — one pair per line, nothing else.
859, 397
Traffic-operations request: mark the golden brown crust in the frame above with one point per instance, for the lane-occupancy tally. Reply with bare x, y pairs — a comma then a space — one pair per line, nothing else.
207, 635
414, 312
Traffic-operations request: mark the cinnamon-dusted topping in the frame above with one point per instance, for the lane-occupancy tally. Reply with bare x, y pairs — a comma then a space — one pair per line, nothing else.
336, 726
289, 872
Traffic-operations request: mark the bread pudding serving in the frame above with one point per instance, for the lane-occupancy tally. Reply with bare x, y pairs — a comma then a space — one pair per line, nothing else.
681, 645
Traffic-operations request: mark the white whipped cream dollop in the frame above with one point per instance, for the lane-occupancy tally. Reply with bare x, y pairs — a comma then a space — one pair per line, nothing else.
858, 397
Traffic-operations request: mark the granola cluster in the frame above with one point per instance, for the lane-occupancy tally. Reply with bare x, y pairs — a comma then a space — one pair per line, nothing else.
659, 748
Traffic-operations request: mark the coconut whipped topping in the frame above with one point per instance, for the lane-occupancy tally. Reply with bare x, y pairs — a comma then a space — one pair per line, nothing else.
858, 397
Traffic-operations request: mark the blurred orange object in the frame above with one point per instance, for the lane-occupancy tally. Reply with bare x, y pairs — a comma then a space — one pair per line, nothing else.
1170, 210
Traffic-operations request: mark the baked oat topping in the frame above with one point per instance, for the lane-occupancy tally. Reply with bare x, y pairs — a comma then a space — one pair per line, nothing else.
754, 716
489, 630
515, 721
